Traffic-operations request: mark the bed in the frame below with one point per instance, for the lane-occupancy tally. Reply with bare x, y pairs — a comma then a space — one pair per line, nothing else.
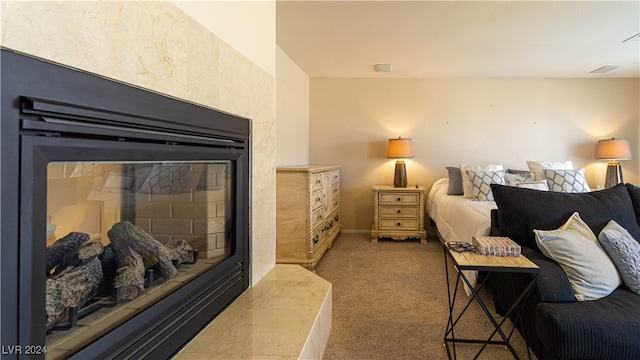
457, 218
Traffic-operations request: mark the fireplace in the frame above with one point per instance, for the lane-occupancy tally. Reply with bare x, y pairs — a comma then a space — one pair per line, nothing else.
125, 215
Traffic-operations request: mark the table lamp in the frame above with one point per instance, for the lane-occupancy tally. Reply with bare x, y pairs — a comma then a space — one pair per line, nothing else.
400, 149
613, 150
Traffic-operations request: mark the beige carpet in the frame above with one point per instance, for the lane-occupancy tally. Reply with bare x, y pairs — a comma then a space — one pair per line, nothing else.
390, 302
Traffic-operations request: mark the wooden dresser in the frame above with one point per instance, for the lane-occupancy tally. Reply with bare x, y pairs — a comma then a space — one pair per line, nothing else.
398, 213
307, 212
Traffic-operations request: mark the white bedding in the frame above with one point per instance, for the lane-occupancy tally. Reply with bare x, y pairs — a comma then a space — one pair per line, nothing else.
458, 218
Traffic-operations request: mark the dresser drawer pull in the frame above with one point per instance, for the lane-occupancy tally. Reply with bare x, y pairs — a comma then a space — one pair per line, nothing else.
399, 211
399, 199
399, 224
315, 239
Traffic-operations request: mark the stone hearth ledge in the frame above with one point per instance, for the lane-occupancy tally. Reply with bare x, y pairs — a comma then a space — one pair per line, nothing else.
286, 315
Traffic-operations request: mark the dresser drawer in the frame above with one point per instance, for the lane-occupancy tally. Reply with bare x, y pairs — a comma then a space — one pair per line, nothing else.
335, 177
399, 198
317, 216
399, 224
399, 211
324, 234
316, 181
316, 199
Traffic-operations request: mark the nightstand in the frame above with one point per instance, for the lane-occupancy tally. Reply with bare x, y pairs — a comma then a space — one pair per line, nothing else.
398, 213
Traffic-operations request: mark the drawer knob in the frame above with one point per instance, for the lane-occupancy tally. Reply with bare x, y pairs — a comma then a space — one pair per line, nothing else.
399, 199
399, 211
399, 224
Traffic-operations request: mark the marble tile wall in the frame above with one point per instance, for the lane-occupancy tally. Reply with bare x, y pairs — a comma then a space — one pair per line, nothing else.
154, 45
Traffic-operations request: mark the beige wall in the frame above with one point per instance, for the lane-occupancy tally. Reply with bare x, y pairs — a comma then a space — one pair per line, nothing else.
247, 26
292, 112
156, 46
453, 121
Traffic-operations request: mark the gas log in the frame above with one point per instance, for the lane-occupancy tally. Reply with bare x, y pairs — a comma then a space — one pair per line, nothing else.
180, 250
80, 256
137, 251
63, 246
74, 286
130, 274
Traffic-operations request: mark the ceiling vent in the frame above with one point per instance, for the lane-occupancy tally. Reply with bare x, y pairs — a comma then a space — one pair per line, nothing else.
604, 69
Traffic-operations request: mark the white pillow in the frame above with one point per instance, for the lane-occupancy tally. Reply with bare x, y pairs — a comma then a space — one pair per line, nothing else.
512, 179
466, 183
535, 185
481, 183
537, 167
571, 181
591, 272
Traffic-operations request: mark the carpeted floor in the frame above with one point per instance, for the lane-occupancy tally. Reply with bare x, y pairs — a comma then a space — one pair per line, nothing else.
390, 302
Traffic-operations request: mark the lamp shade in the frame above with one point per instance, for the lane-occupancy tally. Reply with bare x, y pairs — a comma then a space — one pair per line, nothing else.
399, 148
613, 149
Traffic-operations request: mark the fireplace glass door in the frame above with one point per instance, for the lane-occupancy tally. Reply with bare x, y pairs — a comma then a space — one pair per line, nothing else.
120, 235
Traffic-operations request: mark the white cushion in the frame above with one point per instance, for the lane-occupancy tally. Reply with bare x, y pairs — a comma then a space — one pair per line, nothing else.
624, 251
572, 181
537, 167
466, 183
535, 185
481, 183
512, 179
591, 272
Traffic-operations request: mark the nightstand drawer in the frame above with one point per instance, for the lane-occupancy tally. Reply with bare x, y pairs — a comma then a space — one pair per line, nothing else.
400, 198
399, 224
399, 211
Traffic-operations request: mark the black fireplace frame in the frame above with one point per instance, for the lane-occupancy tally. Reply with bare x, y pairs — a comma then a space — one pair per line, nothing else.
51, 112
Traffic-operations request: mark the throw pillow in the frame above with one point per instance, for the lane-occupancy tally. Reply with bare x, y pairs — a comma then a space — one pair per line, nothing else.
516, 171
481, 183
455, 181
535, 185
634, 192
512, 179
466, 183
624, 251
537, 167
591, 272
522, 210
567, 180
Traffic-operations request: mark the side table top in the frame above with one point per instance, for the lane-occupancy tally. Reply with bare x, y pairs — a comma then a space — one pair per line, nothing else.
471, 260
391, 187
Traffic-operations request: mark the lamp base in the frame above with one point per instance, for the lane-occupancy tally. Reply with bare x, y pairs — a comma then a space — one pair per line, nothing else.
614, 174
400, 177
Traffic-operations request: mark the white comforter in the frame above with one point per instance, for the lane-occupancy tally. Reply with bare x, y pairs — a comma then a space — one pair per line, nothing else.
458, 218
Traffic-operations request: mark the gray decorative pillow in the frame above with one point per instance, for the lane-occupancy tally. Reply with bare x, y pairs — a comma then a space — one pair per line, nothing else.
571, 181
455, 181
481, 183
624, 251
512, 179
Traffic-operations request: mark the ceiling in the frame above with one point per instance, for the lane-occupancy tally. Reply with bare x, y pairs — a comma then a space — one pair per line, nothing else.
445, 39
